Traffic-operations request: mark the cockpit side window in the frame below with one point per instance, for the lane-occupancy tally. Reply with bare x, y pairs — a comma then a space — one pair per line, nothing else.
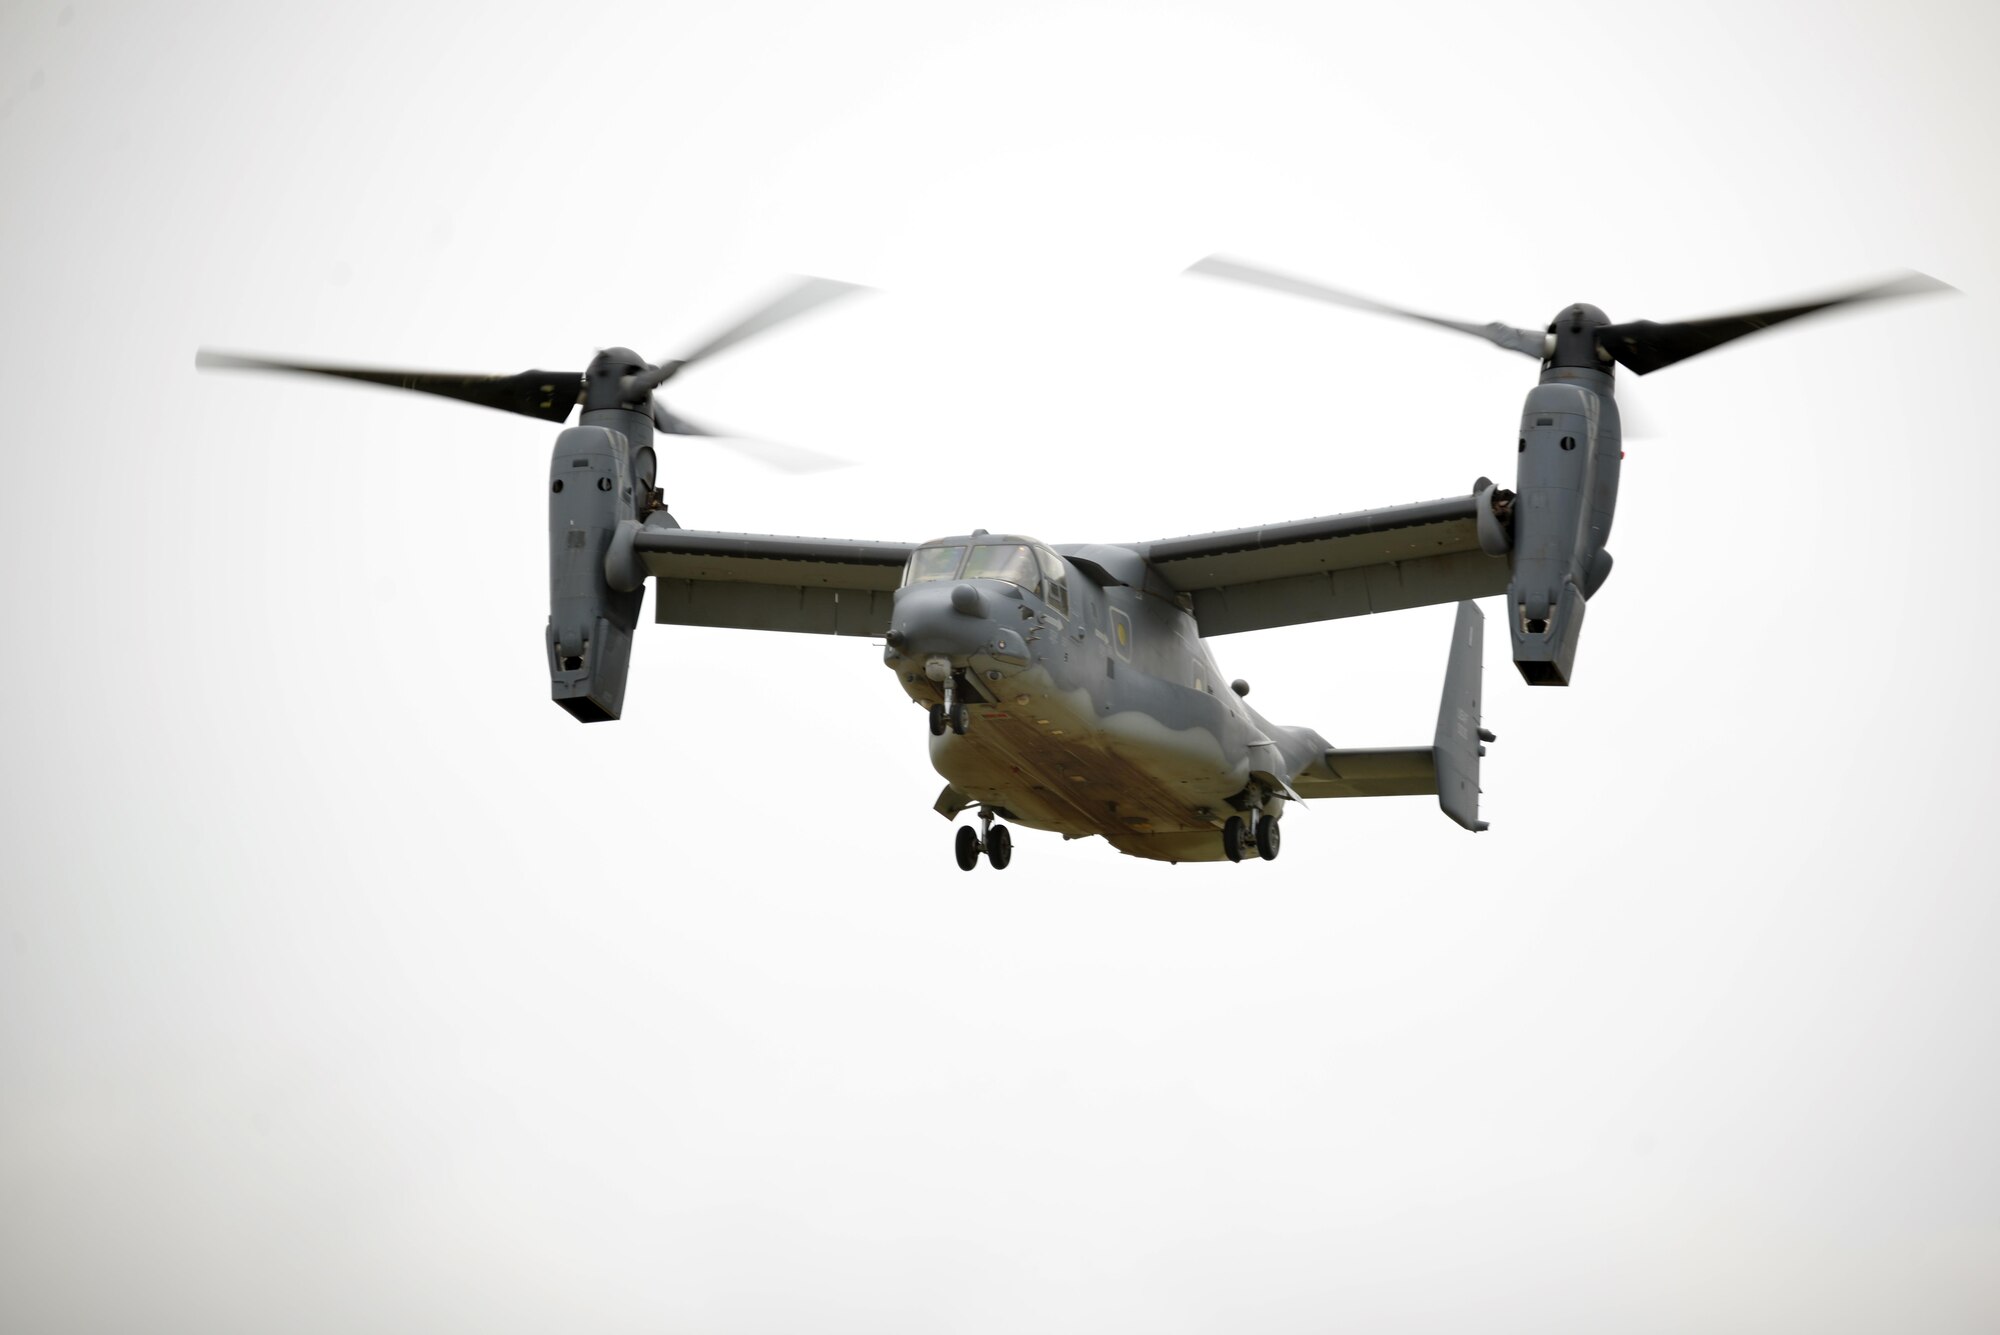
1015, 564
1055, 587
928, 563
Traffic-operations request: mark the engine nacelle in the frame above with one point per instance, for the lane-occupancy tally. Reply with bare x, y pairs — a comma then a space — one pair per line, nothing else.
1565, 491
591, 489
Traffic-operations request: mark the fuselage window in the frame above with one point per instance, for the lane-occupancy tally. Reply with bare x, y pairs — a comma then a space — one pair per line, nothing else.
1014, 564
928, 563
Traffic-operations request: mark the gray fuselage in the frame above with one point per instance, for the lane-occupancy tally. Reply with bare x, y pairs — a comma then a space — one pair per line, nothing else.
1094, 705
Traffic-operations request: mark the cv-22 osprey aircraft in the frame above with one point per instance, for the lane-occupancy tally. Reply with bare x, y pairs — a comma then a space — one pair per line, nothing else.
1070, 688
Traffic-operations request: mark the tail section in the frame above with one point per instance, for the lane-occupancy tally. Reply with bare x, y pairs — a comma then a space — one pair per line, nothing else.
1448, 767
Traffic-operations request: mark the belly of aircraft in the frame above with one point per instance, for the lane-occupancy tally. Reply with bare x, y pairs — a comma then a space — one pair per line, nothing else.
1056, 764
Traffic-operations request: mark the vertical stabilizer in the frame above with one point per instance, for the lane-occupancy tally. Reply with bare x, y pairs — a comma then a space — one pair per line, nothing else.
1458, 745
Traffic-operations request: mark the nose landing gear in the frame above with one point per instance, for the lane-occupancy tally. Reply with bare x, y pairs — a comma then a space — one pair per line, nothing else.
952, 713
956, 717
993, 840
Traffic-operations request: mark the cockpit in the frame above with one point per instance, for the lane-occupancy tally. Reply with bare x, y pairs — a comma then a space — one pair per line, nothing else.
1021, 562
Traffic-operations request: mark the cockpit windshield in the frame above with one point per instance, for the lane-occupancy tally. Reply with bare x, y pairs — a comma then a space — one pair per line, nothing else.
1024, 564
936, 562
1014, 563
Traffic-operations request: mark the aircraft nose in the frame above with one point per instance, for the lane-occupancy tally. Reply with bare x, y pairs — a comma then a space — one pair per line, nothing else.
954, 623
939, 619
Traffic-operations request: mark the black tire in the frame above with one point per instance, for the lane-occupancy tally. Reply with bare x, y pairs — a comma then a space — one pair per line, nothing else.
1232, 839
967, 848
999, 847
1267, 838
961, 718
937, 720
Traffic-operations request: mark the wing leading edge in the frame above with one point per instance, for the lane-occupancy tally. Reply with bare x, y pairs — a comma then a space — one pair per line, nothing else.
754, 581
1333, 566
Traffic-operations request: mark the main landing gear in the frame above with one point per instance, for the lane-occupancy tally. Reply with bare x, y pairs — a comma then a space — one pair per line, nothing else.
993, 840
1237, 837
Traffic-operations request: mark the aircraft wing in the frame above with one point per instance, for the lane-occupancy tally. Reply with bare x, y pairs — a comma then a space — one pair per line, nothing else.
753, 581
1333, 566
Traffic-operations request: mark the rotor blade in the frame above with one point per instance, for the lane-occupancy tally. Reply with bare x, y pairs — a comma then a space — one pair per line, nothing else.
791, 302
668, 423
1643, 346
1502, 335
786, 458
548, 395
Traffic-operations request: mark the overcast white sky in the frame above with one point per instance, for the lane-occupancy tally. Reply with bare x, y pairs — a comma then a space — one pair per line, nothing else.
346, 983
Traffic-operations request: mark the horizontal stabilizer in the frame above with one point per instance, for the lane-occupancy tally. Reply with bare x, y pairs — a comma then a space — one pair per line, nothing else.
1378, 771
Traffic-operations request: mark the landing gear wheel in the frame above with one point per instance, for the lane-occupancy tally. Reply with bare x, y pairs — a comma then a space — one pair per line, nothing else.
967, 848
961, 718
1232, 839
937, 720
1267, 838
999, 847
